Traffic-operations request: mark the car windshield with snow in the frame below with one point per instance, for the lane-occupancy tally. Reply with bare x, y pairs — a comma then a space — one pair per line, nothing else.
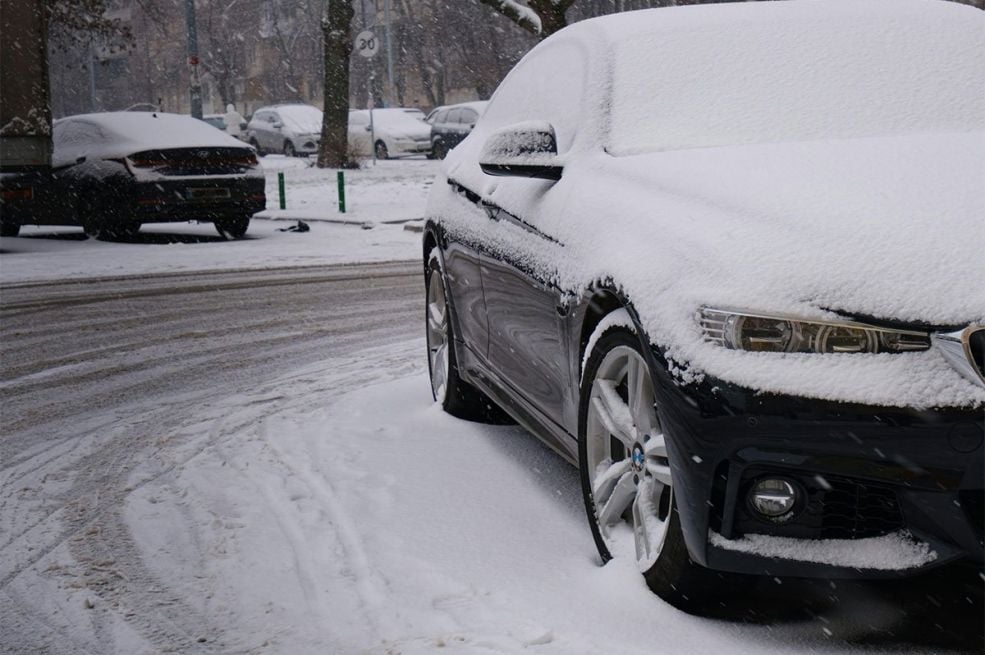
112, 172
727, 260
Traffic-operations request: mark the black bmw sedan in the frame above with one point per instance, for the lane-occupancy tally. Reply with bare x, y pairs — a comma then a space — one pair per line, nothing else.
735, 276
112, 172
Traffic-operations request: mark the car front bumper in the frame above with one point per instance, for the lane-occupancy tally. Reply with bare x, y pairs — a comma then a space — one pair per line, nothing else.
868, 477
411, 147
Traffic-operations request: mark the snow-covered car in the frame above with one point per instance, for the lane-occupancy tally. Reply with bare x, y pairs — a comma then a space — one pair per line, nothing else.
291, 130
395, 131
451, 124
728, 260
112, 172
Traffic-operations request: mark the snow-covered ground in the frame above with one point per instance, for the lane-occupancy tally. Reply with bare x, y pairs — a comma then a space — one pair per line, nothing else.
334, 508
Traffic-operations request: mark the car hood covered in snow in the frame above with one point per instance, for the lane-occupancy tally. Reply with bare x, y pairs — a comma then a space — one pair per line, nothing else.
889, 228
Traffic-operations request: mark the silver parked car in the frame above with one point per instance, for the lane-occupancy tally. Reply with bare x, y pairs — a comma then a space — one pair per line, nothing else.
289, 129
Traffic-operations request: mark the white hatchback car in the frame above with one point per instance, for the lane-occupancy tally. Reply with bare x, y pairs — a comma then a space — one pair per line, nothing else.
394, 131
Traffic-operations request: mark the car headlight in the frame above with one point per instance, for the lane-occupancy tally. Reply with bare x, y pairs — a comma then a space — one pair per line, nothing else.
785, 334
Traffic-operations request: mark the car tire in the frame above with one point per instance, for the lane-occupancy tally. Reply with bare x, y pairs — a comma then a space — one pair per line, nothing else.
626, 475
381, 150
456, 396
232, 228
98, 222
256, 146
289, 150
439, 150
9, 229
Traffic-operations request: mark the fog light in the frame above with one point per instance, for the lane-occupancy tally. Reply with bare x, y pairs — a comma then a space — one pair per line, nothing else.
773, 498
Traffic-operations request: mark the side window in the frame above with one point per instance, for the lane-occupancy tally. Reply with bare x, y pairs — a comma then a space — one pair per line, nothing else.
455, 116
469, 116
547, 85
442, 116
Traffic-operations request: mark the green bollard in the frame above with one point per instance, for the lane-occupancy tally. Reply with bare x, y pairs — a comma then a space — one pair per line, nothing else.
280, 187
341, 177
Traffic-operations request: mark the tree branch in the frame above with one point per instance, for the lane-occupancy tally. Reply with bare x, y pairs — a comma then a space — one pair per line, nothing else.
515, 13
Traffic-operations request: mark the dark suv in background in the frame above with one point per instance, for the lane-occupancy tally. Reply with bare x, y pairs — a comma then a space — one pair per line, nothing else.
451, 124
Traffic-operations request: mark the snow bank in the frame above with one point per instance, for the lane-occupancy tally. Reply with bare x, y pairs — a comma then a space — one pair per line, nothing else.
891, 552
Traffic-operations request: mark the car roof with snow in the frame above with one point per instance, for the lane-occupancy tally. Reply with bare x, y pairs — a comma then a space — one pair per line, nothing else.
122, 133
704, 76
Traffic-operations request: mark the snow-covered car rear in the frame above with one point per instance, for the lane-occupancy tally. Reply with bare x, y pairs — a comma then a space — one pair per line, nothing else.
727, 260
113, 172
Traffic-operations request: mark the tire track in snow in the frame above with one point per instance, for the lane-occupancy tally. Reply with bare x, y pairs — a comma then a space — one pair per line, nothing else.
134, 418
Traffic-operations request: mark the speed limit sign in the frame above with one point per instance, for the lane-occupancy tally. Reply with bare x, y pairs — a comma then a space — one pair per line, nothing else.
367, 44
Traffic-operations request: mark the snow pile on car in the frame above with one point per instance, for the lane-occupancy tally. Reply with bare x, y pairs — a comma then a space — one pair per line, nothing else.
119, 134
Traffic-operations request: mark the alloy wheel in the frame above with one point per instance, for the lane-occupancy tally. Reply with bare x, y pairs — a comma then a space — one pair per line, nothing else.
437, 335
628, 467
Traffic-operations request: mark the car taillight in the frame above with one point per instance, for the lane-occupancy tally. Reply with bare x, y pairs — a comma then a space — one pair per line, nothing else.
17, 194
143, 163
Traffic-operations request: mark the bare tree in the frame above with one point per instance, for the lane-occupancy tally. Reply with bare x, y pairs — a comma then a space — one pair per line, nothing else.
336, 24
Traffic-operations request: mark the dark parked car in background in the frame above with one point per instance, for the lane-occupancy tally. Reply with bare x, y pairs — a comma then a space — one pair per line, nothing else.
451, 124
113, 172
741, 288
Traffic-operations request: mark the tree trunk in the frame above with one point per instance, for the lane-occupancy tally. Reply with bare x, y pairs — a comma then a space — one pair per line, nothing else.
333, 152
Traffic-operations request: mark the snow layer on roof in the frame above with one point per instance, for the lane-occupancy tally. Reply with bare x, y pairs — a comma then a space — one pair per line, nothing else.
891, 552
722, 75
119, 134
302, 119
888, 227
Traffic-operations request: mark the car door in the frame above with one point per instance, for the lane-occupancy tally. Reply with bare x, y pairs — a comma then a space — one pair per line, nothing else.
526, 309
466, 121
524, 313
453, 125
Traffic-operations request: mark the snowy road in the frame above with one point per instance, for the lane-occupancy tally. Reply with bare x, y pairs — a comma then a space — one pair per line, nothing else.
249, 462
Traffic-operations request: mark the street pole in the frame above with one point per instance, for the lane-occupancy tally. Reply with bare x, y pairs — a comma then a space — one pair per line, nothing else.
389, 50
196, 82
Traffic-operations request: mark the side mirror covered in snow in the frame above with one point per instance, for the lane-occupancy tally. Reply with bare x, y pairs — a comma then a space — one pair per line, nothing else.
522, 150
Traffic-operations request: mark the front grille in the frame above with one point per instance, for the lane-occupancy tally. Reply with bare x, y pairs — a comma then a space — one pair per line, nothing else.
851, 510
194, 161
973, 504
835, 508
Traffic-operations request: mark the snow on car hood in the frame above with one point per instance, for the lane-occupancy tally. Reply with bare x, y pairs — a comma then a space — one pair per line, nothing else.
886, 227
119, 134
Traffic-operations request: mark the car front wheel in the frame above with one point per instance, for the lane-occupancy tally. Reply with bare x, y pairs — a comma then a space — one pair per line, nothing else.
9, 229
289, 150
381, 150
626, 474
